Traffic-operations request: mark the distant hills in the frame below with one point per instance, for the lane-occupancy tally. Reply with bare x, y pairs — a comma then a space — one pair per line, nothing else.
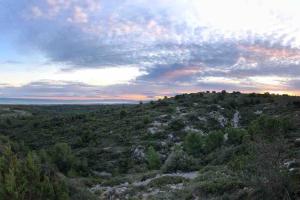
25, 101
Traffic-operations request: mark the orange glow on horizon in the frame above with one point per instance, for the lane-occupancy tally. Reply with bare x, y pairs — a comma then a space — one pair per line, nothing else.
141, 97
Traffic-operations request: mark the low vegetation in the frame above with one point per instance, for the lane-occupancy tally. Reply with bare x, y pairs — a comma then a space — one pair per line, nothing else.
204, 145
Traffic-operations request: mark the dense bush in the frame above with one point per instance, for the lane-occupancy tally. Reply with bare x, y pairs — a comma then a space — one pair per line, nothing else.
217, 180
240, 162
221, 155
153, 159
26, 179
213, 140
63, 157
270, 127
176, 125
193, 144
178, 160
235, 135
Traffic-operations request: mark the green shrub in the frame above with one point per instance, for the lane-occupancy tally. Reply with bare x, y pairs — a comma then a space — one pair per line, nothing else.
25, 179
176, 125
193, 143
146, 120
270, 127
221, 155
220, 186
240, 162
235, 135
63, 157
122, 114
217, 180
264, 170
152, 158
178, 160
213, 140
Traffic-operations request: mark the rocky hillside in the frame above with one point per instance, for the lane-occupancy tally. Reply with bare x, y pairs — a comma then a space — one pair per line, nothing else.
205, 145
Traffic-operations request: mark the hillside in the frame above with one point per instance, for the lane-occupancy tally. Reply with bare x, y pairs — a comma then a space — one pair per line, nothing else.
204, 145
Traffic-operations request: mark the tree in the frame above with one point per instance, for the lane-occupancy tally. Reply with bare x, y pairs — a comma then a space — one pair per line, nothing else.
265, 172
47, 188
22, 178
152, 158
213, 140
123, 114
193, 143
269, 127
63, 157
235, 135
178, 160
10, 185
32, 172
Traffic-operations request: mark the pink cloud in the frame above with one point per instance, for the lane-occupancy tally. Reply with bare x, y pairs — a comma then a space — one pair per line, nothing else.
79, 16
182, 72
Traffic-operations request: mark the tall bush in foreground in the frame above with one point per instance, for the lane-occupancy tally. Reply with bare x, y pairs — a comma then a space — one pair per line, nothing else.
24, 179
265, 172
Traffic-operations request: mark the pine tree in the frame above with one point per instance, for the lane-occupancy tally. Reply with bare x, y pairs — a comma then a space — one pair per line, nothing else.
47, 189
153, 159
10, 185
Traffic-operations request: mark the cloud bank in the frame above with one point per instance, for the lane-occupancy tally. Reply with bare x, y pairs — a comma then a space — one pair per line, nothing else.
174, 45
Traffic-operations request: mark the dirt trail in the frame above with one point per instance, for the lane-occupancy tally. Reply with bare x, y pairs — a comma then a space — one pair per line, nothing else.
125, 186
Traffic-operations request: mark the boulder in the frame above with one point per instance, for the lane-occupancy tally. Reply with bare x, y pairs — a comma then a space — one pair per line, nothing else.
236, 119
138, 153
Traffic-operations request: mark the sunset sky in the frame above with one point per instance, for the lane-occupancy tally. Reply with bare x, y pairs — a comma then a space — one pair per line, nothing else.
146, 49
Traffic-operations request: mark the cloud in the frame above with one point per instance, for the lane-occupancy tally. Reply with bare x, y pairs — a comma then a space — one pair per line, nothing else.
36, 12
177, 45
136, 32
48, 90
294, 85
135, 91
79, 16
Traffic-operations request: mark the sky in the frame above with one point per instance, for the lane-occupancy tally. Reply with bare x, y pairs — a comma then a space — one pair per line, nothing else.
147, 49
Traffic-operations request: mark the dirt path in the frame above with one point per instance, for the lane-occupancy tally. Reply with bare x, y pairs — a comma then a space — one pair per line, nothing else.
125, 186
